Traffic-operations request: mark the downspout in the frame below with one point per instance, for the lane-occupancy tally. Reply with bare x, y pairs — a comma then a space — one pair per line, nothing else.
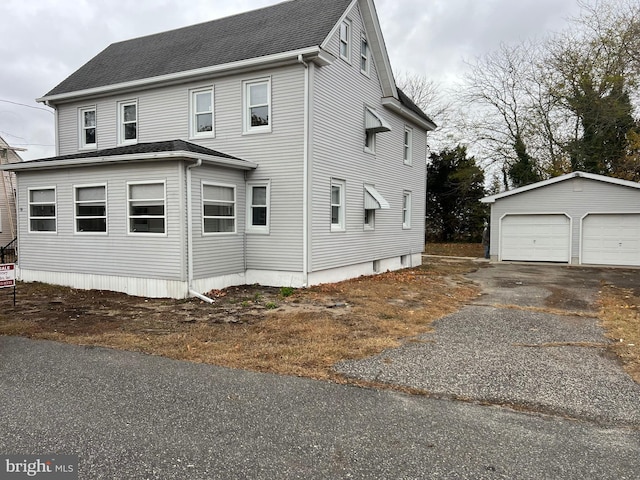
190, 235
305, 178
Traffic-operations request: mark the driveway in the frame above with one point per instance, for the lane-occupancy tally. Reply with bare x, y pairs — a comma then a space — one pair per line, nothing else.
499, 351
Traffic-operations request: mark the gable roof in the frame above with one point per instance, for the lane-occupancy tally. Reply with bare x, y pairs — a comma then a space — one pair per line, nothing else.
167, 150
562, 178
289, 26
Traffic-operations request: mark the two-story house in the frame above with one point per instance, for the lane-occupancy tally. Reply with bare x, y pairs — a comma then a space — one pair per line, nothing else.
8, 214
269, 147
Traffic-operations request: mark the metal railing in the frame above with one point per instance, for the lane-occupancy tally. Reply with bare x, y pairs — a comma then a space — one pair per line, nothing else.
9, 253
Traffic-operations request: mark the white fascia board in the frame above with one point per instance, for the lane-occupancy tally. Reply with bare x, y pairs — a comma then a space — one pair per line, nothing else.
395, 106
309, 54
143, 157
561, 178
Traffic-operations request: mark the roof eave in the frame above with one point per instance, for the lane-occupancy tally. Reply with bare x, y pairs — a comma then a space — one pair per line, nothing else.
131, 158
310, 54
396, 106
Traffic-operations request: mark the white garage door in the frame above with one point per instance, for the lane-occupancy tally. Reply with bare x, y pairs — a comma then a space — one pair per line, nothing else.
537, 238
611, 239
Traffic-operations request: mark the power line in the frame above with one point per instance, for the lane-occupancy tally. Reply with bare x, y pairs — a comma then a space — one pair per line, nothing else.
28, 106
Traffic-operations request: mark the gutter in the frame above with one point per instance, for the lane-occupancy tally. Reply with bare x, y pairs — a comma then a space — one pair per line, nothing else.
190, 235
305, 178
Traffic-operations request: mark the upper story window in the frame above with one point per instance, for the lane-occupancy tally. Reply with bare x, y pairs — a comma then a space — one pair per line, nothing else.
408, 145
338, 188
147, 207
88, 127
406, 209
202, 112
373, 123
258, 207
345, 40
127, 122
42, 210
91, 209
218, 208
257, 105
364, 56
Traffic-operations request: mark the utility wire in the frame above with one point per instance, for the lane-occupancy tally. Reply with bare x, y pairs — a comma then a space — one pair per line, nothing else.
28, 106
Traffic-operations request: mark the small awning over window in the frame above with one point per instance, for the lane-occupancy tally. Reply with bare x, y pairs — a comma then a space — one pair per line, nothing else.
373, 200
375, 123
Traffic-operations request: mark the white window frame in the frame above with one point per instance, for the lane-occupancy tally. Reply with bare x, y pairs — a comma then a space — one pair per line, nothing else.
55, 206
408, 145
406, 210
164, 200
345, 41
365, 55
371, 225
234, 202
246, 106
83, 145
251, 228
77, 202
341, 225
121, 122
369, 141
194, 133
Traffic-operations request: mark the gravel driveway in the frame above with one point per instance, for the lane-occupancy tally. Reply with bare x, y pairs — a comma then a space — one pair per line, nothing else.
494, 353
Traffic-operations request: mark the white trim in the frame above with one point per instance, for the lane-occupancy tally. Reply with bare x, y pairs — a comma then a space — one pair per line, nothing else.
193, 113
562, 178
260, 229
75, 211
407, 147
164, 216
397, 107
508, 214
349, 40
81, 128
371, 224
55, 206
341, 226
121, 122
204, 183
408, 207
247, 128
366, 58
313, 54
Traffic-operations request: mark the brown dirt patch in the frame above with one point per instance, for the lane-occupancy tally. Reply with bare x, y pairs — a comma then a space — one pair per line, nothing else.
455, 249
252, 327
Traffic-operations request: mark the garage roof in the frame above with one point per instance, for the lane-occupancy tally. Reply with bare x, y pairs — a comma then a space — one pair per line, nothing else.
562, 178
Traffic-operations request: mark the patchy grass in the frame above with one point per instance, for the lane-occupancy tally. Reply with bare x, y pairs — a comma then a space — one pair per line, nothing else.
455, 249
620, 318
302, 332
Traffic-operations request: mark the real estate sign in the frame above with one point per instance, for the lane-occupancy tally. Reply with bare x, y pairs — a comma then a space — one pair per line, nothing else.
7, 275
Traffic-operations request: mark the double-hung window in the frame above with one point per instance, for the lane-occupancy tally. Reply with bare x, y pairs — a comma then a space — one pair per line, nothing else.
338, 188
258, 207
88, 127
345, 40
146, 207
218, 208
127, 122
364, 56
406, 209
42, 210
91, 209
408, 142
257, 105
202, 112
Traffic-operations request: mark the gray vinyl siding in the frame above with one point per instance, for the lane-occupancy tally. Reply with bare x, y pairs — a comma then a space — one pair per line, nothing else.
118, 253
217, 254
340, 95
163, 114
7, 206
574, 197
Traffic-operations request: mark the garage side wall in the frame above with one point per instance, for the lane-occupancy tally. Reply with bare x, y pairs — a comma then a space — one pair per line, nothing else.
575, 198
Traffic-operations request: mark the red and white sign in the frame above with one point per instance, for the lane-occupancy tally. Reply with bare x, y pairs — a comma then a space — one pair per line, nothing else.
7, 275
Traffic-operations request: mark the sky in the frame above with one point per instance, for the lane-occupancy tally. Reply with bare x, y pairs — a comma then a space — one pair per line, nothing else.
44, 41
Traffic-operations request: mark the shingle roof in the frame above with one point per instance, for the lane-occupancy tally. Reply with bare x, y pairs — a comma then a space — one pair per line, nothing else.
287, 26
407, 102
140, 148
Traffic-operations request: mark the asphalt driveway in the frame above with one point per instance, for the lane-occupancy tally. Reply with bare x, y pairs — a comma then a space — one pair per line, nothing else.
490, 352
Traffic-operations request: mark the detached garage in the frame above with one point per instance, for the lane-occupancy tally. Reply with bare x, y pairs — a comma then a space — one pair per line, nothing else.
578, 218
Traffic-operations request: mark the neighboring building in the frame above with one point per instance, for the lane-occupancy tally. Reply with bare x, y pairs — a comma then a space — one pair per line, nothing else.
578, 218
8, 224
270, 147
